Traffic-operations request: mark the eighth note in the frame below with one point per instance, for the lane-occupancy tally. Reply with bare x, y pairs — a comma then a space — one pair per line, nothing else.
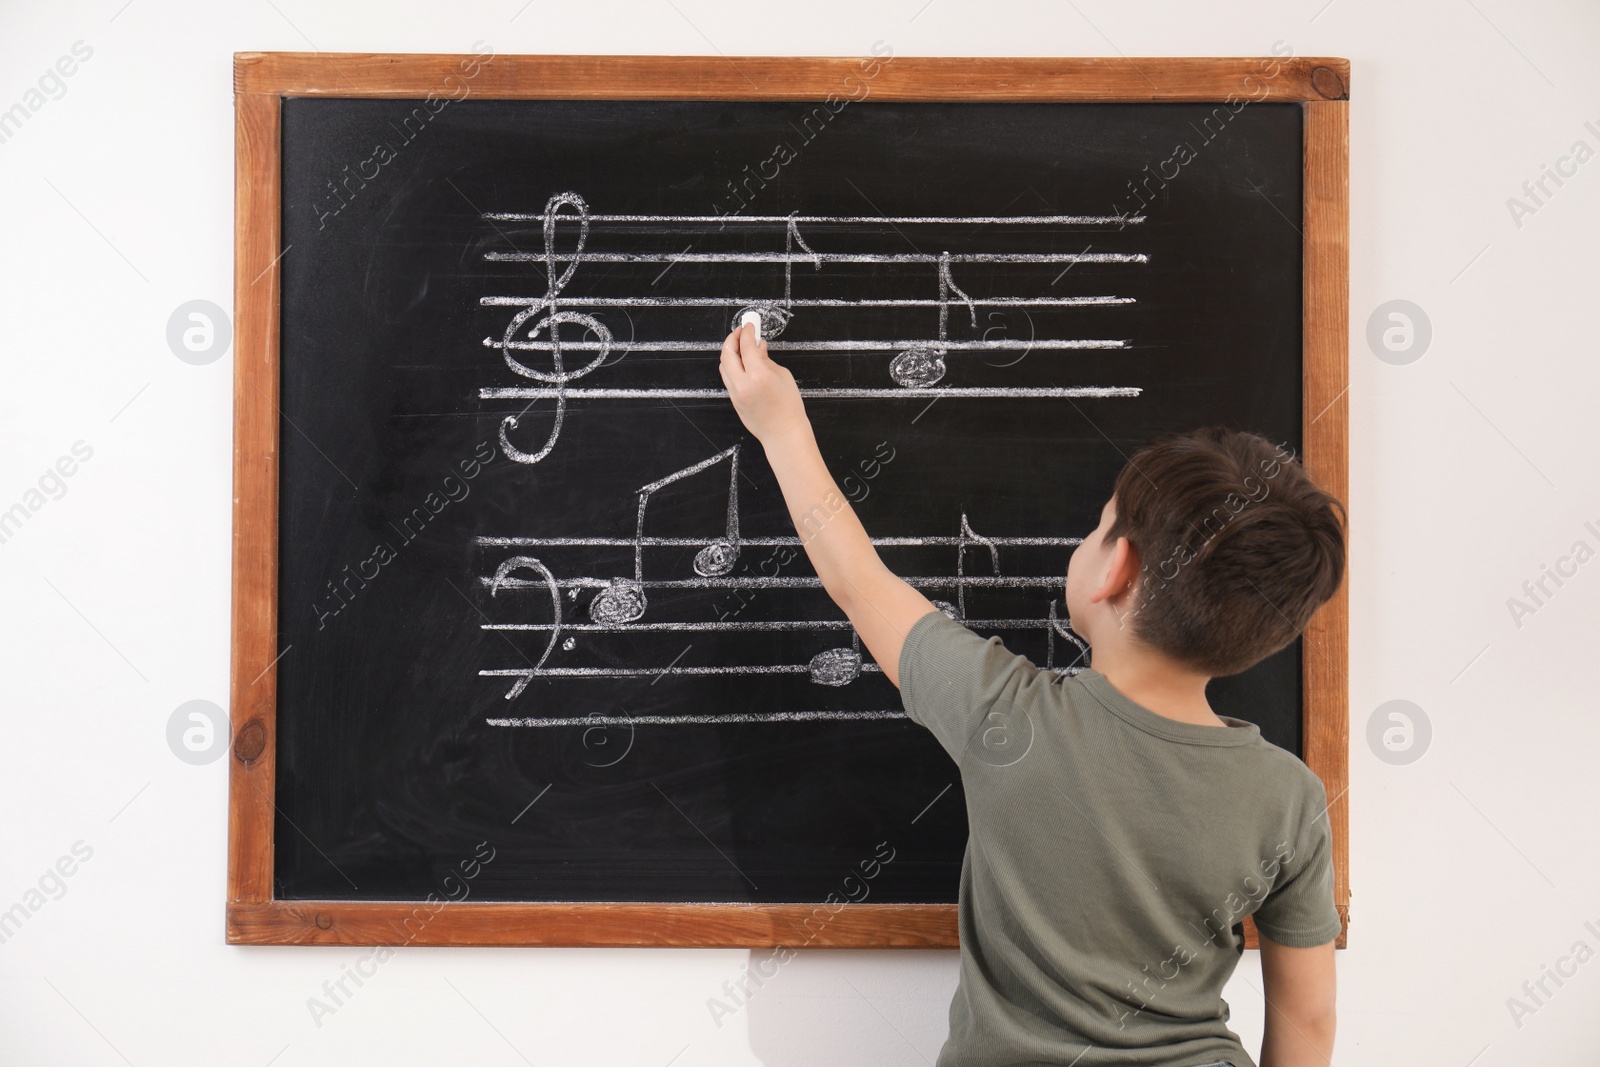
623, 599
923, 365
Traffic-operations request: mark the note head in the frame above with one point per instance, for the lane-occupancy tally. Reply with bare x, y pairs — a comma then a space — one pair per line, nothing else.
620, 602
716, 559
918, 368
772, 320
836, 666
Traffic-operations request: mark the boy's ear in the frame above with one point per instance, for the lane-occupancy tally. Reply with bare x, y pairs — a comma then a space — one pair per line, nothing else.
1121, 573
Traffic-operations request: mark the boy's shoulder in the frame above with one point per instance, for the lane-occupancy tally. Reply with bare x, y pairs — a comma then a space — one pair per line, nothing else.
1288, 768
969, 688
1265, 768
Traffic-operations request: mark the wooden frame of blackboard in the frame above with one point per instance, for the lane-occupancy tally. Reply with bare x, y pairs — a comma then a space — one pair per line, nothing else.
263, 79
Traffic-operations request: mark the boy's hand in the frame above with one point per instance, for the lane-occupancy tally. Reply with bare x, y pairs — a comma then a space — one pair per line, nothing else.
763, 393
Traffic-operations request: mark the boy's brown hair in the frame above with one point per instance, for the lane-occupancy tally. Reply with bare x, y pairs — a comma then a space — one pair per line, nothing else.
1237, 547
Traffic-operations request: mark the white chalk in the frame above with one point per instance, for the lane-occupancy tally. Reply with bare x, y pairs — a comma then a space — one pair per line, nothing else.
754, 319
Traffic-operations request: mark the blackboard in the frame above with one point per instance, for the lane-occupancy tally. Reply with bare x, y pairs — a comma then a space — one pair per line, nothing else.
544, 633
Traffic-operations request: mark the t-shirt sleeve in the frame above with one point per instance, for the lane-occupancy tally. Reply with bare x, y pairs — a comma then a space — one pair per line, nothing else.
1299, 911
964, 688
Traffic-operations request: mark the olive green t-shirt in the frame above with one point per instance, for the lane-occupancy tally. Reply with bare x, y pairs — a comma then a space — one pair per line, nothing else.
1111, 858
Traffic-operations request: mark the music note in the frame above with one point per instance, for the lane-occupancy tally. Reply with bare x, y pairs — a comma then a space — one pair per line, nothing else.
623, 600
1052, 629
791, 238
969, 535
920, 366
773, 317
837, 666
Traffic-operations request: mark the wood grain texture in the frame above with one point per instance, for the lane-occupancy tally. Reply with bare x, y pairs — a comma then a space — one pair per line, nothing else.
253, 917
311, 922
302, 922
520, 77
253, 686
1326, 223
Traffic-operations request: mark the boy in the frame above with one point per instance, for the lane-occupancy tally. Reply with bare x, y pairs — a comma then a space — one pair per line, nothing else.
1119, 830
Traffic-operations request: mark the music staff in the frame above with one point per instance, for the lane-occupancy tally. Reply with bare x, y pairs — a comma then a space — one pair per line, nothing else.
916, 365
619, 603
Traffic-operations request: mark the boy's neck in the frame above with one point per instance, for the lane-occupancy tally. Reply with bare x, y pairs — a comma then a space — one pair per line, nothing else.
1169, 691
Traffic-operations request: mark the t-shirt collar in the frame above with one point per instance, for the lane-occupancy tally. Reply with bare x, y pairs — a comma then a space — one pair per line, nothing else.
1239, 732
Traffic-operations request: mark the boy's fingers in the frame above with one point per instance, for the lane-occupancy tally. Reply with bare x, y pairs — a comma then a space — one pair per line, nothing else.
755, 352
730, 352
749, 347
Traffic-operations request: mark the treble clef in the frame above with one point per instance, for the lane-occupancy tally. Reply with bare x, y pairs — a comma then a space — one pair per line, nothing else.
557, 376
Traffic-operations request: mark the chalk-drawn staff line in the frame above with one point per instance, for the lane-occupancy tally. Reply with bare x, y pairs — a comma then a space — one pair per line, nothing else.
823, 257
524, 676
809, 302
710, 720
849, 220
888, 393
769, 542
696, 720
931, 581
772, 625
806, 347
649, 672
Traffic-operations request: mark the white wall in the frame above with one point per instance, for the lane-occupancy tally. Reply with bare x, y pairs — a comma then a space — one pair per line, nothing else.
1472, 867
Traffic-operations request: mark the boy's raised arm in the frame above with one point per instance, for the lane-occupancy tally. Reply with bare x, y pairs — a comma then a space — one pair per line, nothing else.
880, 605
